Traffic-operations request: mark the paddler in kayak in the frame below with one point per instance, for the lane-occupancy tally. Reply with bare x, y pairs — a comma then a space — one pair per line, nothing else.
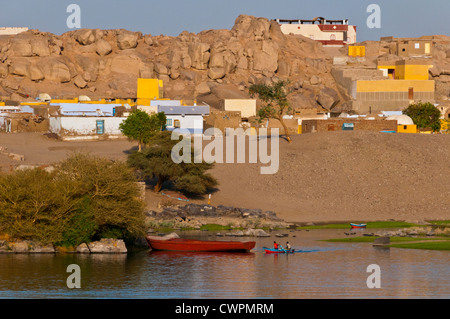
288, 246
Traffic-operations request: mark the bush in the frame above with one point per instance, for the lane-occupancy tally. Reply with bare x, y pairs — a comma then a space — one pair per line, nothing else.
83, 199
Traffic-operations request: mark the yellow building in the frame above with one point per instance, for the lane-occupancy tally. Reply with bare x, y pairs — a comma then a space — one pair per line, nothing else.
148, 89
410, 69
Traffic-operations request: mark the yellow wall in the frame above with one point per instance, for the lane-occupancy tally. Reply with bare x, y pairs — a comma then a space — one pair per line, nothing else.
407, 128
445, 125
355, 51
147, 90
394, 86
411, 72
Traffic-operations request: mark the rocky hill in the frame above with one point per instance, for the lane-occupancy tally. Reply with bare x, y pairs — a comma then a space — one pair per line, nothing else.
210, 66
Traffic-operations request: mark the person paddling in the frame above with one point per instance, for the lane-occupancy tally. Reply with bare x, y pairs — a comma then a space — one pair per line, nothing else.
288, 246
275, 245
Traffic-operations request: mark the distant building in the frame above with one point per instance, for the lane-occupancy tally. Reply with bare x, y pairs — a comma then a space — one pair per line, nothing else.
179, 115
328, 32
409, 47
247, 107
12, 30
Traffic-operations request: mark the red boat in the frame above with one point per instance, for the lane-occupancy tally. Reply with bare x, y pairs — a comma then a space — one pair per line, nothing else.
358, 225
179, 244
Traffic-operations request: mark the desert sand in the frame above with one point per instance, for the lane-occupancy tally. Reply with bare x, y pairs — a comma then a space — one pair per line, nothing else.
323, 177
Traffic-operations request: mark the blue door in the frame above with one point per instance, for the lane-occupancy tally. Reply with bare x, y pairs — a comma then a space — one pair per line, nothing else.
100, 127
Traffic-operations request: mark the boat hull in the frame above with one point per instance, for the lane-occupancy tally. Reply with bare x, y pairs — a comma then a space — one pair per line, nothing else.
358, 225
179, 244
277, 251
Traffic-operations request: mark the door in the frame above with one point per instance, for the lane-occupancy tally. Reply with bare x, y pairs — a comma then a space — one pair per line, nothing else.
411, 93
100, 127
331, 127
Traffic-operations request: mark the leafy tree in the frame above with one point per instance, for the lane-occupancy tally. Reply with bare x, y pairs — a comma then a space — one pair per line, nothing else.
276, 103
140, 126
424, 115
155, 161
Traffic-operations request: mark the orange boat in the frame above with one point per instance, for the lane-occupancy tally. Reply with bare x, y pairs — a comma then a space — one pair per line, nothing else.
179, 244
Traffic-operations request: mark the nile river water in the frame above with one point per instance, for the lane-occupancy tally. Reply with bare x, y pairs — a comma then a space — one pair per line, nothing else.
325, 270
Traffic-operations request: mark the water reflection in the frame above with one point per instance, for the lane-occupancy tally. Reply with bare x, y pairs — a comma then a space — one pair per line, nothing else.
322, 270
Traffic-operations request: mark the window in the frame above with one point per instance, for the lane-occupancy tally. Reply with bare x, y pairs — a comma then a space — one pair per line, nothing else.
405, 127
169, 122
332, 37
176, 123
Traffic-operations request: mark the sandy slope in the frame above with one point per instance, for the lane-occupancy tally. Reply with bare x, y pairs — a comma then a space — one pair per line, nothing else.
335, 176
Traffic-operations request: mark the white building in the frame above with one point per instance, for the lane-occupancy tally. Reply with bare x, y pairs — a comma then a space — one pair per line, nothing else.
328, 32
189, 117
12, 30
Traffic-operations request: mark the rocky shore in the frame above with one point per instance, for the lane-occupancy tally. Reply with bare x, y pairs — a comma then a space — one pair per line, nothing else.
194, 216
105, 245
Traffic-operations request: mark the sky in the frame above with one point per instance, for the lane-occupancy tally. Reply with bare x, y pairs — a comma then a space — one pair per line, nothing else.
399, 18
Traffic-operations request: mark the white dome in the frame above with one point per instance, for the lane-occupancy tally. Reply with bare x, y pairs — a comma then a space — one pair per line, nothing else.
401, 119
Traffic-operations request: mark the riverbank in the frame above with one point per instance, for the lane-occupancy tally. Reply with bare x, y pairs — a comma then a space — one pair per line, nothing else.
323, 177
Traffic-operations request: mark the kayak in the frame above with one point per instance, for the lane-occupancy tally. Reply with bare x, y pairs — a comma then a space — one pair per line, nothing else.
358, 225
278, 251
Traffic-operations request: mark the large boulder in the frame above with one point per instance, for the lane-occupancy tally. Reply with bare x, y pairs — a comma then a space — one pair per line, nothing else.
103, 47
266, 59
40, 46
127, 39
126, 64
251, 27
20, 67
56, 70
161, 69
328, 98
199, 54
85, 36
216, 73
21, 47
36, 73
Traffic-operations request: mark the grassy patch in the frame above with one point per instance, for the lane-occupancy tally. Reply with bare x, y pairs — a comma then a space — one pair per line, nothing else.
440, 222
381, 224
214, 227
436, 245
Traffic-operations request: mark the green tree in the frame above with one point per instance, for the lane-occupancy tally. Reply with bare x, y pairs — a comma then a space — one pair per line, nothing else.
155, 161
424, 115
276, 103
140, 126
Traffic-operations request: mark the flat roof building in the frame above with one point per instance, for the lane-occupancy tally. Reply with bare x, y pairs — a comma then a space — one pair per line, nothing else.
328, 32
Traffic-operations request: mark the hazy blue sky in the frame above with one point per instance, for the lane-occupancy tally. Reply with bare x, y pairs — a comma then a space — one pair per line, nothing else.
402, 18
